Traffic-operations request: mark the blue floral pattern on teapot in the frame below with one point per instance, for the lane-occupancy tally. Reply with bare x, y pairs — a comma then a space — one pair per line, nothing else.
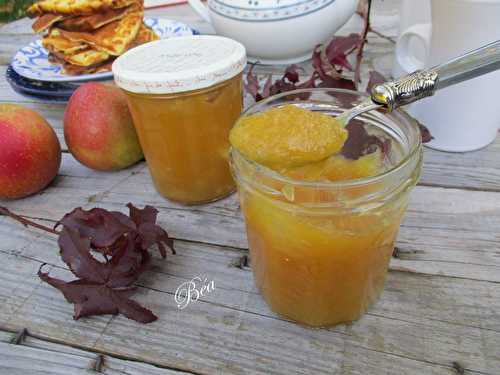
266, 10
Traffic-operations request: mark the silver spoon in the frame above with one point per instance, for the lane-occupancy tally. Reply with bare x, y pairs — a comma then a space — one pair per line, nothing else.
424, 83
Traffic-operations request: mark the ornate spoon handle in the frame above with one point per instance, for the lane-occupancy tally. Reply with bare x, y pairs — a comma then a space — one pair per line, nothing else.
423, 83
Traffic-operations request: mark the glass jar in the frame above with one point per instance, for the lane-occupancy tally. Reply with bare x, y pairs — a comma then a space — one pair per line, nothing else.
184, 95
320, 250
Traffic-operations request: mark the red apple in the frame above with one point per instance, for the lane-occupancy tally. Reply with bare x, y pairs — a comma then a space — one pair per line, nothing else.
30, 153
98, 128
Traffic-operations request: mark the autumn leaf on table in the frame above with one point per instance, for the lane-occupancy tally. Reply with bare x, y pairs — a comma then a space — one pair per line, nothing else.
104, 228
102, 287
107, 251
105, 286
148, 233
97, 299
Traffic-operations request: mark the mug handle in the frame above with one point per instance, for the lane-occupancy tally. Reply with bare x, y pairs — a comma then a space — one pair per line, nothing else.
404, 54
201, 9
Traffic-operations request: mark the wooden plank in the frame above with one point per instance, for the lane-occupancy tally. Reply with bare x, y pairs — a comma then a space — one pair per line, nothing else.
10, 45
41, 357
446, 231
470, 170
22, 26
201, 259
435, 320
18, 359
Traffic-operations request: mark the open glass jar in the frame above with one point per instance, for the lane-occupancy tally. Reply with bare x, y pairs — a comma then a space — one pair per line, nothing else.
320, 250
184, 95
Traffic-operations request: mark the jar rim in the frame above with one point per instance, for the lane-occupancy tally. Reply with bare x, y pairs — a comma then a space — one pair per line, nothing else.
414, 149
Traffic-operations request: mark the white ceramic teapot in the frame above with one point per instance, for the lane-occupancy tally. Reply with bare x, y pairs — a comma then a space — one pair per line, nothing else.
277, 31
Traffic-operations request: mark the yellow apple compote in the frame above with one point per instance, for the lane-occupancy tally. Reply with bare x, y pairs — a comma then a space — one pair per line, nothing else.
185, 94
321, 227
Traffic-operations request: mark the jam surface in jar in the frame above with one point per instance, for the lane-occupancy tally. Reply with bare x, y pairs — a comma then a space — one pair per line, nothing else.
318, 257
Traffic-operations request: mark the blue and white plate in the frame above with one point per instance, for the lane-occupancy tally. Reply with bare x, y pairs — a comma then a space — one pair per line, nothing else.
32, 61
39, 90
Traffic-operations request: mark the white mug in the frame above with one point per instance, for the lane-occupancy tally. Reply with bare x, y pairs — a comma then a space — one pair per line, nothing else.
464, 117
412, 12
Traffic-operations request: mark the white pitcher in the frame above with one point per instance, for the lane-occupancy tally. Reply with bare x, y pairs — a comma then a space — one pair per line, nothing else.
277, 31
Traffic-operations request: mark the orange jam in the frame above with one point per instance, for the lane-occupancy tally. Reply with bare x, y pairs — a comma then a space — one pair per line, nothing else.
288, 136
185, 138
185, 93
319, 250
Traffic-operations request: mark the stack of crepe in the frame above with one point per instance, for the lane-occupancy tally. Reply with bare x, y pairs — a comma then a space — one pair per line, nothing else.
85, 36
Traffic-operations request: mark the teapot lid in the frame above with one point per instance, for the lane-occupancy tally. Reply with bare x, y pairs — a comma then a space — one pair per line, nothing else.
179, 64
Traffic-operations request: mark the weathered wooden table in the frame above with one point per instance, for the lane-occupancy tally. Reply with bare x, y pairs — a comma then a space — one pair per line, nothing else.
439, 313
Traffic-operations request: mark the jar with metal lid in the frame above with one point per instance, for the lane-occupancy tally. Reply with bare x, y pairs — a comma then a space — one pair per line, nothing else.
185, 94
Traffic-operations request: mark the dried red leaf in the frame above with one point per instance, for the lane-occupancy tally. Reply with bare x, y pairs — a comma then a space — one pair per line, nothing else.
360, 143
281, 85
104, 287
266, 91
328, 62
95, 292
341, 83
98, 299
292, 73
252, 85
148, 231
127, 263
103, 227
340, 47
288, 82
330, 59
322, 66
426, 133
75, 252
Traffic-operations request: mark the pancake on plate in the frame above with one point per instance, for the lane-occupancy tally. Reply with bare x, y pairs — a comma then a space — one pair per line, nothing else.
85, 36
54, 42
113, 38
145, 35
45, 22
92, 22
72, 7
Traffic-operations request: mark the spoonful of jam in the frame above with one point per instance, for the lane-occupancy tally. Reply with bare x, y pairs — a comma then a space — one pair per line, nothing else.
290, 136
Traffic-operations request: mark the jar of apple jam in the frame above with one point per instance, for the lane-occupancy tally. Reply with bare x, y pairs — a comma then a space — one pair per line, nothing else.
321, 232
185, 94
